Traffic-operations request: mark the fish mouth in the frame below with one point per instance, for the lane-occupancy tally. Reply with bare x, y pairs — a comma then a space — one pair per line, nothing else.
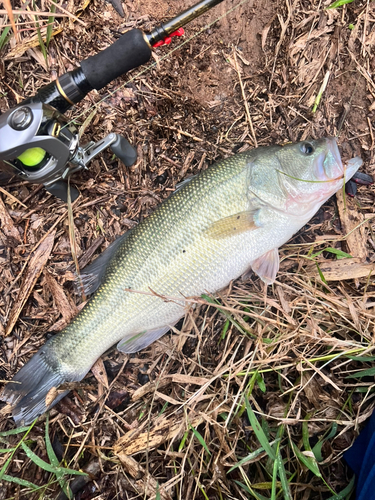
334, 149
329, 167
352, 166
328, 164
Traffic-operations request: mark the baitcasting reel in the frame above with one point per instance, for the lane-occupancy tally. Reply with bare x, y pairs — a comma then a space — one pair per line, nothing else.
38, 145
37, 142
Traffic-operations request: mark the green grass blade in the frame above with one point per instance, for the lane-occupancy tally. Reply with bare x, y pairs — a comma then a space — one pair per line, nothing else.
40, 38
4, 38
260, 382
58, 471
317, 450
274, 480
345, 492
259, 431
37, 460
225, 329
200, 439
310, 462
5, 466
258, 496
72, 471
50, 22
320, 273
247, 459
183, 441
305, 434
334, 251
283, 478
362, 359
370, 372
12, 432
20, 482
50, 451
339, 3
157, 497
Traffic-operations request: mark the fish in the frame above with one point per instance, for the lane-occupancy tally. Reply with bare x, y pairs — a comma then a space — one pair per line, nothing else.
219, 225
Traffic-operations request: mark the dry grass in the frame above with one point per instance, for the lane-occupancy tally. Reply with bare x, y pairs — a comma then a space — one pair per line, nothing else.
176, 421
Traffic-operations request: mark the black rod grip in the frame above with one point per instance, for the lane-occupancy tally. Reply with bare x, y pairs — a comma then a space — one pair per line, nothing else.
128, 52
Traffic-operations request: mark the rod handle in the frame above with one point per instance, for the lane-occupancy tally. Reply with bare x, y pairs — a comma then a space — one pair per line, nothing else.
131, 50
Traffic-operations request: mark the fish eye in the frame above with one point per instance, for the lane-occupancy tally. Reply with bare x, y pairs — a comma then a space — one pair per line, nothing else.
306, 148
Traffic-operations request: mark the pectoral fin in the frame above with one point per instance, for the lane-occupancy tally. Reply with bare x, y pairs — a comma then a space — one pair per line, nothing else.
232, 225
267, 266
141, 340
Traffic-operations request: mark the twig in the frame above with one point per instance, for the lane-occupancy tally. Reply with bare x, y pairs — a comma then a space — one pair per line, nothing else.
12, 197
244, 99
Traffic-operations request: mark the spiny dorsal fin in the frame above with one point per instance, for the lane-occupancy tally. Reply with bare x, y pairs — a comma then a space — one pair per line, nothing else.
93, 274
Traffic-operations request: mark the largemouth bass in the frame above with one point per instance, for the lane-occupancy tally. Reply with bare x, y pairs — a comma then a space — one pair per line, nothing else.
232, 217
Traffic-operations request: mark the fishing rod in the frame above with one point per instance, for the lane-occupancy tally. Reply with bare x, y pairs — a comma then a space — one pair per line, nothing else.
40, 145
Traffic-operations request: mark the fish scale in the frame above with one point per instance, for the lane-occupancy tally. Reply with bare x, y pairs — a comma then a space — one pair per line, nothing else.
234, 215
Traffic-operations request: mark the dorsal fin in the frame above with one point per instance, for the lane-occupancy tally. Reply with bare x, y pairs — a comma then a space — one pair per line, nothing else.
93, 274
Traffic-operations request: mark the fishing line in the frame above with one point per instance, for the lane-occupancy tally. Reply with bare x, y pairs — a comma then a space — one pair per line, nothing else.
155, 63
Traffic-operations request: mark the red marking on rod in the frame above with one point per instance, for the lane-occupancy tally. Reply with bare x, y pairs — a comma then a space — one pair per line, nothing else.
167, 40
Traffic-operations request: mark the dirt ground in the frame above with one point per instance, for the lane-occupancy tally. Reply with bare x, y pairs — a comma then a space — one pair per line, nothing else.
171, 421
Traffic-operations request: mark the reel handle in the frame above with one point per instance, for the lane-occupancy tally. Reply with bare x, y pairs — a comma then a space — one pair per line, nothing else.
124, 150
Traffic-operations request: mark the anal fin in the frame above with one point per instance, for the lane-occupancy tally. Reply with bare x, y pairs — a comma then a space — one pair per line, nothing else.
142, 340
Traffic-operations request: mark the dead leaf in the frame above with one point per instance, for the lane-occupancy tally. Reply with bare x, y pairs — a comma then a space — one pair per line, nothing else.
51, 396
8, 227
66, 309
99, 372
265, 32
343, 269
144, 482
164, 428
36, 53
34, 269
350, 222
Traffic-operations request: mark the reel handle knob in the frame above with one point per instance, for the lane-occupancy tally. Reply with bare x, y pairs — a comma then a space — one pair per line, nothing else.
60, 190
124, 150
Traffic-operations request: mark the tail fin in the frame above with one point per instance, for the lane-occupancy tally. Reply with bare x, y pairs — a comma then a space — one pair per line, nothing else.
28, 390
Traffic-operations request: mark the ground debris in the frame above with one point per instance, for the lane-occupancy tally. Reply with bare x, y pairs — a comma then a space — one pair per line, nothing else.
36, 265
